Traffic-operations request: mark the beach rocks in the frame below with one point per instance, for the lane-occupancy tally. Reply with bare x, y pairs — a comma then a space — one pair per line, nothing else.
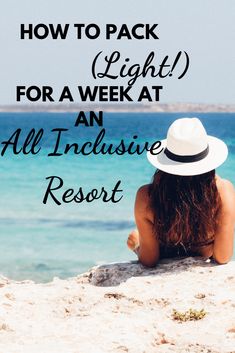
184, 305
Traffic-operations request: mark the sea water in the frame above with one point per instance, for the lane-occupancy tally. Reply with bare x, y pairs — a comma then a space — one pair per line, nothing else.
39, 241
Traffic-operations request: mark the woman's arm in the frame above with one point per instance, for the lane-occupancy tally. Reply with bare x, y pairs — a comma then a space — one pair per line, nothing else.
224, 237
148, 251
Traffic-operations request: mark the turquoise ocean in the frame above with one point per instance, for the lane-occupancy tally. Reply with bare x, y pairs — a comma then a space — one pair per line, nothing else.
40, 241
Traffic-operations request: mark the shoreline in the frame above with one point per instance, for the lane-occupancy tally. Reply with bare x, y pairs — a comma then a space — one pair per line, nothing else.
135, 107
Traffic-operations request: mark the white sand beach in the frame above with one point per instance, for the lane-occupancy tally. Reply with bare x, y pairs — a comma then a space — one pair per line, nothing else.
122, 308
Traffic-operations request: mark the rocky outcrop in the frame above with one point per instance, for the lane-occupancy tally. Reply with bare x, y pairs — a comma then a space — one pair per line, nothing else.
185, 305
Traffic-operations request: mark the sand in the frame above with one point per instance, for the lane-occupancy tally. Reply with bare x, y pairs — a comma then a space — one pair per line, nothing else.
122, 308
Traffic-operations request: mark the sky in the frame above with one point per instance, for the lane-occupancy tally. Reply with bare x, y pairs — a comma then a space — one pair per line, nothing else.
205, 29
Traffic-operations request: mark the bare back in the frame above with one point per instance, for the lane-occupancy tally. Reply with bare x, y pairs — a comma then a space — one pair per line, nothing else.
222, 247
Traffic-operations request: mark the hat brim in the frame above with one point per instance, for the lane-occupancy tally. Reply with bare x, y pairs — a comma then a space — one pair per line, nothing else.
218, 153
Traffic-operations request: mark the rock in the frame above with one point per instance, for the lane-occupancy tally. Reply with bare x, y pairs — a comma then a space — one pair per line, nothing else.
181, 305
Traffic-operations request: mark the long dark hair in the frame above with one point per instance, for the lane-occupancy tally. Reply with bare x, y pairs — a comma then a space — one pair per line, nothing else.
185, 208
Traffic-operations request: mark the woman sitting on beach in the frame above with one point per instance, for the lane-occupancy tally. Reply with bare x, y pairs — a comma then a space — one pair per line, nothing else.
187, 210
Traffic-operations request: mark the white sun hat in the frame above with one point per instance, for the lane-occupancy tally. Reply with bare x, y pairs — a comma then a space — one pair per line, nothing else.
188, 150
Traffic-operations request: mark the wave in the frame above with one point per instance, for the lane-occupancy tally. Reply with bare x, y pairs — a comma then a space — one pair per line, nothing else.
84, 224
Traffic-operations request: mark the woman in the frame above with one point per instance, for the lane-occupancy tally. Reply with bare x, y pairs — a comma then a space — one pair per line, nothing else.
187, 210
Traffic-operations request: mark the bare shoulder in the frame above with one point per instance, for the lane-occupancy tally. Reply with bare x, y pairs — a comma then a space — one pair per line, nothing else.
142, 199
227, 194
143, 193
225, 187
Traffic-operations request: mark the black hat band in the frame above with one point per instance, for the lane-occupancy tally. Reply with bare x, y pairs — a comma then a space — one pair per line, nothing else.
187, 159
